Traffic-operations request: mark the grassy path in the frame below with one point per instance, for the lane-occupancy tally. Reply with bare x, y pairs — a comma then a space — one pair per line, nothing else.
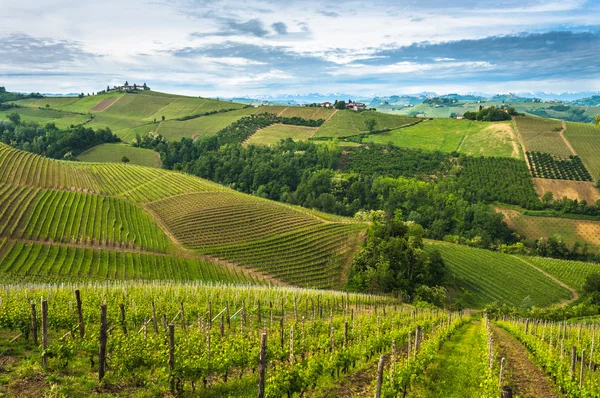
457, 370
525, 378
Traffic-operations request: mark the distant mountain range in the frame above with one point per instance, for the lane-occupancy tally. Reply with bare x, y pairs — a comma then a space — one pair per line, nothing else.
581, 99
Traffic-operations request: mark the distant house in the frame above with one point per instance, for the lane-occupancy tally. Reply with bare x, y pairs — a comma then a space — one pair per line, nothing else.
459, 116
326, 105
128, 87
357, 106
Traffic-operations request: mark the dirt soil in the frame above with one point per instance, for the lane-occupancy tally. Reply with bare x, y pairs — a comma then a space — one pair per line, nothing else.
580, 190
525, 378
104, 104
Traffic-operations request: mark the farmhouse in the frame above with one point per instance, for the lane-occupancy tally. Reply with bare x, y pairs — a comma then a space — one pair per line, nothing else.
459, 116
326, 105
357, 106
127, 86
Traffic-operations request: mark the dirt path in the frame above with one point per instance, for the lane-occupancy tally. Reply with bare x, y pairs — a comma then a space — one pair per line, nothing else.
570, 289
326, 120
521, 141
562, 135
525, 378
105, 104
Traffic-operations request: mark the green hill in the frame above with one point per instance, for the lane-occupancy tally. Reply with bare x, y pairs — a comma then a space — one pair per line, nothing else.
116, 221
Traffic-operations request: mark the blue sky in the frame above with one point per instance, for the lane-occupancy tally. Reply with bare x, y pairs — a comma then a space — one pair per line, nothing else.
233, 48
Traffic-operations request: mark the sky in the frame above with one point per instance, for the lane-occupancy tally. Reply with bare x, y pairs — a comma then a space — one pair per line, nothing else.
226, 48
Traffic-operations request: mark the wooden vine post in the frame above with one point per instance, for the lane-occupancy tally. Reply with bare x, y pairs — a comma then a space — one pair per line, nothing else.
103, 338
44, 332
183, 326
172, 357
79, 313
262, 364
123, 323
380, 367
573, 360
34, 326
154, 321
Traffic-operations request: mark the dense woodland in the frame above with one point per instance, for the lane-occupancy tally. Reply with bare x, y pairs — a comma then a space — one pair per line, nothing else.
51, 141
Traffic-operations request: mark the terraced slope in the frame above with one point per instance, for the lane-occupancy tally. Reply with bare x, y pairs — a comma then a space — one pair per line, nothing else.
491, 276
115, 212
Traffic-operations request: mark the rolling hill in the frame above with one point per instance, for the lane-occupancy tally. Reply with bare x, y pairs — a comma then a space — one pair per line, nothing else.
115, 221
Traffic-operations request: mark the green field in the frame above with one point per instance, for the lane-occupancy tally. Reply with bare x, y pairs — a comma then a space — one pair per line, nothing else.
491, 276
347, 123
449, 135
571, 273
175, 130
44, 116
273, 134
585, 139
542, 135
113, 153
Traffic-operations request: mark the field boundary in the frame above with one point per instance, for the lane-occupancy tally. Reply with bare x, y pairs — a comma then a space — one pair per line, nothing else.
326, 120
558, 281
567, 143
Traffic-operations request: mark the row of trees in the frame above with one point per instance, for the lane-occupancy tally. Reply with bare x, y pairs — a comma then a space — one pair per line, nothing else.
491, 114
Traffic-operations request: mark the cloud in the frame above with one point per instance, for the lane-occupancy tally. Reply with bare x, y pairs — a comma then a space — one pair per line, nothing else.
22, 49
229, 27
331, 14
280, 28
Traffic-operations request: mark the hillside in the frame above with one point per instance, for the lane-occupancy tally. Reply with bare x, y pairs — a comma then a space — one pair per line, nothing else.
115, 221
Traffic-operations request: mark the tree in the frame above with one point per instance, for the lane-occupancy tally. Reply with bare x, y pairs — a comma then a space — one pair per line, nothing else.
47, 106
340, 105
597, 120
548, 198
107, 89
163, 118
125, 159
370, 124
2, 90
14, 117
126, 83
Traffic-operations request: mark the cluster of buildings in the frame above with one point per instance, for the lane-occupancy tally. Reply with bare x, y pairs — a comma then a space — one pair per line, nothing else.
127, 86
357, 106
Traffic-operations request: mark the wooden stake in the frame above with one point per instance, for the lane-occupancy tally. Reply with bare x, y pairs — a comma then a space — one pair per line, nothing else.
44, 332
103, 338
183, 326
34, 326
154, 321
573, 360
79, 313
380, 367
582, 368
172, 356
123, 323
262, 364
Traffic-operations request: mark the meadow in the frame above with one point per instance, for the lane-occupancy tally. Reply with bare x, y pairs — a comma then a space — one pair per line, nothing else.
570, 230
113, 153
451, 135
348, 123
273, 134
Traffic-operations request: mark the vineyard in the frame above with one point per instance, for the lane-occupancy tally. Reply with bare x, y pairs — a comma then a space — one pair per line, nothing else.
572, 273
542, 135
54, 263
487, 276
566, 351
214, 341
273, 134
544, 165
585, 140
113, 153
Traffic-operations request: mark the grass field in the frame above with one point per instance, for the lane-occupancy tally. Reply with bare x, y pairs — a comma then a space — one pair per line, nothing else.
490, 276
542, 135
346, 123
571, 231
273, 134
580, 190
449, 135
585, 139
44, 116
175, 130
113, 153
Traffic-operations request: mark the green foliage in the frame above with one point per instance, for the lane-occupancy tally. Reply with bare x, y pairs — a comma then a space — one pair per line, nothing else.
490, 114
53, 142
392, 261
125, 159
371, 124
